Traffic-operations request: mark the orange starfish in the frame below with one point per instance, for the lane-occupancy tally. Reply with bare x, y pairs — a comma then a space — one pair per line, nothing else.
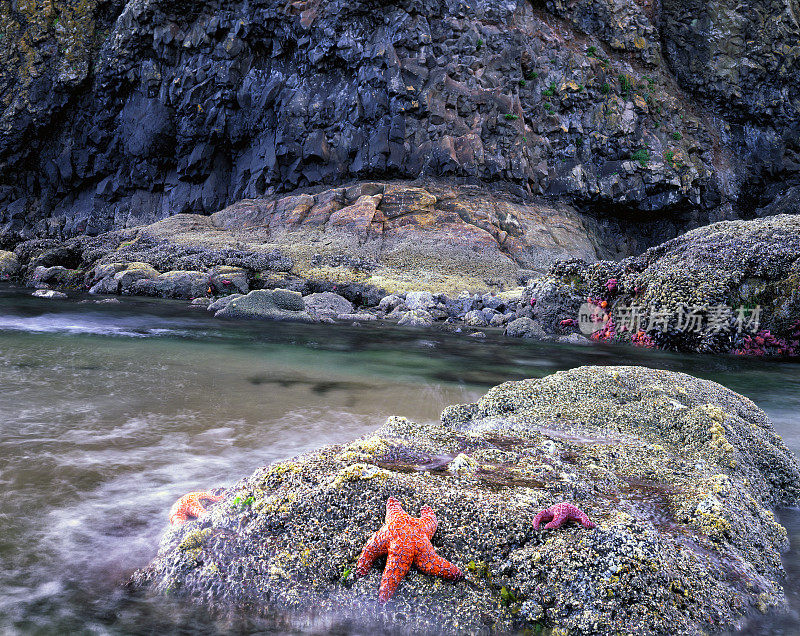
189, 506
406, 540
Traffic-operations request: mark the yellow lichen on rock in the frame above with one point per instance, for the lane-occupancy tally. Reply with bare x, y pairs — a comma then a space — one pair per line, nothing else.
194, 540
717, 431
354, 472
366, 449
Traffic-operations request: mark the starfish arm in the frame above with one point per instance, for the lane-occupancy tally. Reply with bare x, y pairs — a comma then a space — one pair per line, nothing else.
212, 498
377, 545
397, 564
544, 515
555, 523
177, 517
583, 519
428, 521
394, 511
559, 514
429, 562
194, 508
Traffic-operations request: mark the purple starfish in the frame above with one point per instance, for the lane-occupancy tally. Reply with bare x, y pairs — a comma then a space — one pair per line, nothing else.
559, 514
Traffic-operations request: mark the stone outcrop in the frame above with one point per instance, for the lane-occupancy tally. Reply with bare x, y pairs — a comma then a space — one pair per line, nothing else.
383, 237
742, 279
264, 304
679, 474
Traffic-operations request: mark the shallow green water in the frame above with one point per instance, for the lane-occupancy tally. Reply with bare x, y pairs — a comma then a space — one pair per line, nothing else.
109, 412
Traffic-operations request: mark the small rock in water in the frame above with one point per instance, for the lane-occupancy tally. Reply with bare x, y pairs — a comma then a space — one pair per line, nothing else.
362, 316
203, 300
48, 293
525, 328
475, 318
416, 318
574, 339
477, 334
420, 300
262, 304
327, 304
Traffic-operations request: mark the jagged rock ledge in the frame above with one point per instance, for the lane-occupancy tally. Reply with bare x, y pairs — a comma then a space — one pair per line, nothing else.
680, 475
396, 237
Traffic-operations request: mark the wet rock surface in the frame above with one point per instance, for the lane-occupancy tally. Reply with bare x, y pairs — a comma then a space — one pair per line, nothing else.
679, 474
327, 304
263, 304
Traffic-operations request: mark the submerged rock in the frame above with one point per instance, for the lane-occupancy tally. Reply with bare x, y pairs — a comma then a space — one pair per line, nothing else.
263, 304
48, 293
679, 474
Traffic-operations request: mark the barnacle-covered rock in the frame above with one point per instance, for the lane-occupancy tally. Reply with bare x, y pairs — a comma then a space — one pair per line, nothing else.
679, 474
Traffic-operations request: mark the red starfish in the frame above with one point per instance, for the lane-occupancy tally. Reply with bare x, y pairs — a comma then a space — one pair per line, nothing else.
406, 540
189, 506
560, 514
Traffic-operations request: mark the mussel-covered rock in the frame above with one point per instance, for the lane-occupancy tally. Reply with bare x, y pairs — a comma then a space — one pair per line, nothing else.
679, 474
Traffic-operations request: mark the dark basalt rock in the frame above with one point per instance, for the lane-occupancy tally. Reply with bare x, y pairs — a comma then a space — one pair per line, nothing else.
125, 113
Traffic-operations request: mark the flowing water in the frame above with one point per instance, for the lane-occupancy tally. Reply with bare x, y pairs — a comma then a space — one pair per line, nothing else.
110, 412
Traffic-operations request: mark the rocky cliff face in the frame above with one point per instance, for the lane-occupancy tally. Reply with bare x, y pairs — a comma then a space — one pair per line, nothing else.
117, 114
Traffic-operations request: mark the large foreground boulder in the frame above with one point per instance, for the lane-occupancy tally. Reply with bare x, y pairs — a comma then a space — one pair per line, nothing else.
679, 474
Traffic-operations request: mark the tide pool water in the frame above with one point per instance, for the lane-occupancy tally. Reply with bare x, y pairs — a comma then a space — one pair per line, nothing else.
110, 412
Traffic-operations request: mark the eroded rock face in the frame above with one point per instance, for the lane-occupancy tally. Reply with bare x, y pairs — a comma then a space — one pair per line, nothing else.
361, 242
121, 113
678, 473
